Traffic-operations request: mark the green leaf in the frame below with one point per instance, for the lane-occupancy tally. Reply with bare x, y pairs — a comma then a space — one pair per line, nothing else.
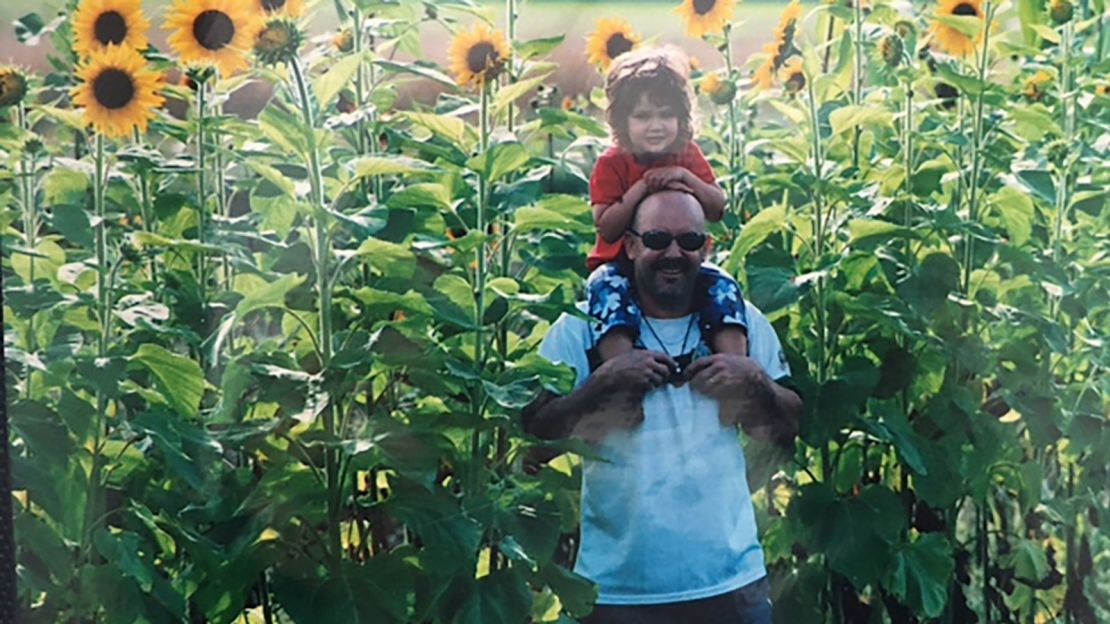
502, 597
389, 259
42, 430
1029, 14
188, 450
177, 377
921, 573
498, 160
418, 69
967, 25
537, 47
513, 92
123, 549
1039, 182
331, 82
450, 538
1033, 122
558, 213
1046, 32
66, 186
1016, 211
40, 263
849, 117
869, 233
447, 126
272, 175
271, 295
772, 288
389, 165
763, 225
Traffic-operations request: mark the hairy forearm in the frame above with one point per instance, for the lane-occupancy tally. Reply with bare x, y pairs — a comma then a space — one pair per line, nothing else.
553, 417
778, 412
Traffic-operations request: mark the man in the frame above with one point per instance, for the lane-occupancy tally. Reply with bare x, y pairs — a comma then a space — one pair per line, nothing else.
668, 530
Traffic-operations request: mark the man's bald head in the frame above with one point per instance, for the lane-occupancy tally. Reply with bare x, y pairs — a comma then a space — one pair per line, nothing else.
672, 204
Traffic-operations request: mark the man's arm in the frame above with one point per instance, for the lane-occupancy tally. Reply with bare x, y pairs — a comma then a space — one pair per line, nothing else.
609, 398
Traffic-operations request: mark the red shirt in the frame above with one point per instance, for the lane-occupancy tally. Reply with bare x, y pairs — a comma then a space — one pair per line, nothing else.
617, 170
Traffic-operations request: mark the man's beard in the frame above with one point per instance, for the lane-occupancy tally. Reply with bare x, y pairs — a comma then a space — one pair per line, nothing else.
673, 294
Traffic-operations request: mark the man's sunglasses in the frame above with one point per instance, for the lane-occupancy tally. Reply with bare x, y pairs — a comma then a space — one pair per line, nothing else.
659, 240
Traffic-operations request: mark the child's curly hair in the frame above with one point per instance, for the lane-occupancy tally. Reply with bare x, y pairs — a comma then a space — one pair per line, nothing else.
661, 73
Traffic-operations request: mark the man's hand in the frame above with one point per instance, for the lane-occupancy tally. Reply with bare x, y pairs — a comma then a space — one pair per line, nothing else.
748, 398
621, 384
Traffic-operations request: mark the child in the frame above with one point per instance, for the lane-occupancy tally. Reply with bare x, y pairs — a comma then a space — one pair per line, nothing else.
651, 120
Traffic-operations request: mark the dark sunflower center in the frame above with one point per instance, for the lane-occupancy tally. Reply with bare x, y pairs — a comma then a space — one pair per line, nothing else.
965, 9
617, 45
110, 28
701, 7
480, 57
113, 88
213, 30
272, 5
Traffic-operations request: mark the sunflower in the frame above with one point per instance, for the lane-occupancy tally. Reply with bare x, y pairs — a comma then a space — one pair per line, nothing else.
118, 91
1061, 11
705, 17
792, 76
612, 38
344, 40
98, 24
1104, 87
213, 32
290, 8
781, 48
478, 55
13, 86
950, 39
891, 49
1034, 87
719, 91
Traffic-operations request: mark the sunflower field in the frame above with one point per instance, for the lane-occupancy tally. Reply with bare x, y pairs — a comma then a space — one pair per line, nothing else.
269, 367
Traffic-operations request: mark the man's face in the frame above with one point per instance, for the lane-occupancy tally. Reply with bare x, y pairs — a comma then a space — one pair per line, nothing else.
667, 276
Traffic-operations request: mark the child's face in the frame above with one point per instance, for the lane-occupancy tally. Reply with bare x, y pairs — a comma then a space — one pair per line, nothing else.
652, 129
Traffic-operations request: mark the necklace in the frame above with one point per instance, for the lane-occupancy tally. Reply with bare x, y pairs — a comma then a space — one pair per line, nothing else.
683, 359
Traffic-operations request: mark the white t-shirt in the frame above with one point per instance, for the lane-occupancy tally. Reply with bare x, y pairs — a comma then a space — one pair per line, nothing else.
669, 517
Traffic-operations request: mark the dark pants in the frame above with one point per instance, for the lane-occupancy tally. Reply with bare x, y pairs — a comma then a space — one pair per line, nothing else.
750, 604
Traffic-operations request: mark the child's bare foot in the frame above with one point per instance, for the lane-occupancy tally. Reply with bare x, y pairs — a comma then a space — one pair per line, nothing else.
616, 342
730, 339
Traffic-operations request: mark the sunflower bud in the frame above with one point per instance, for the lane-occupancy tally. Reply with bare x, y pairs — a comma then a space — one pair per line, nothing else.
904, 29
33, 146
1061, 11
891, 49
278, 41
720, 92
1057, 151
1104, 88
344, 41
947, 94
1036, 86
13, 86
346, 102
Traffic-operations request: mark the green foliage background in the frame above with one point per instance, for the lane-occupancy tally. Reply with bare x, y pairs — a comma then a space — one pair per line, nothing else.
289, 391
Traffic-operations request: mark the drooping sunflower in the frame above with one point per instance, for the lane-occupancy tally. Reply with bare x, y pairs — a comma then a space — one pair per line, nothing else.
950, 39
1103, 88
478, 55
118, 92
98, 24
291, 8
792, 75
719, 91
705, 17
611, 38
13, 86
781, 48
214, 32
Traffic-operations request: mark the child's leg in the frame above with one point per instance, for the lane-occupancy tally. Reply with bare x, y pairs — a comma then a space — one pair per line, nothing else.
611, 303
723, 319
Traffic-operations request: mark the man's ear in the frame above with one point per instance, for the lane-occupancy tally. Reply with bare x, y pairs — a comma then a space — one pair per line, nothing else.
631, 248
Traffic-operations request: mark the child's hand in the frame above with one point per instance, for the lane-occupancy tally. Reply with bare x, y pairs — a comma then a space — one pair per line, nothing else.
681, 187
660, 178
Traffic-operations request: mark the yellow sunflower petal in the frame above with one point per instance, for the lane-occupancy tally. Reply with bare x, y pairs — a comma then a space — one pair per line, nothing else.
98, 24
950, 39
611, 38
477, 55
214, 32
118, 92
792, 75
705, 17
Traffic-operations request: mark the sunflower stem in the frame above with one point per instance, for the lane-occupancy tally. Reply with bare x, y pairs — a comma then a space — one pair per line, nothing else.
145, 208
857, 75
222, 207
202, 195
93, 497
977, 145
323, 288
480, 292
907, 162
1063, 168
361, 142
828, 43
732, 132
30, 231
